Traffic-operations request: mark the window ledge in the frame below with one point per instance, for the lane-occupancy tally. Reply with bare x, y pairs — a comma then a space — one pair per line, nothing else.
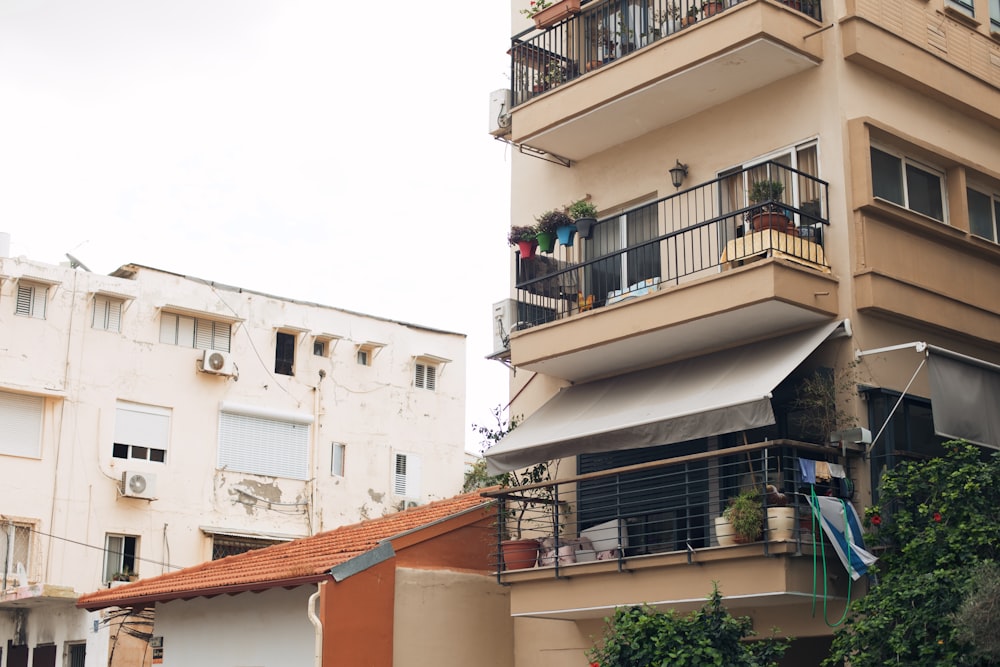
940, 232
960, 16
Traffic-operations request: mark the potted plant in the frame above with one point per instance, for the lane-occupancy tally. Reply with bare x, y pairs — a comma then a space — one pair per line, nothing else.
745, 517
584, 214
524, 237
546, 14
768, 215
711, 7
548, 223
691, 16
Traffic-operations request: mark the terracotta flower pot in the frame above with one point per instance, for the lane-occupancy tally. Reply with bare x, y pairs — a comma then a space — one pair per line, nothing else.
549, 16
518, 554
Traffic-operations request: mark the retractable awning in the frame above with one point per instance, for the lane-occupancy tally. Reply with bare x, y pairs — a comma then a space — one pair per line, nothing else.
965, 397
709, 395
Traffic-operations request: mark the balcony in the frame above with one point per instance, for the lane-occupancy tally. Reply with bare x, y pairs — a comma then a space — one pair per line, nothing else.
677, 277
645, 65
647, 532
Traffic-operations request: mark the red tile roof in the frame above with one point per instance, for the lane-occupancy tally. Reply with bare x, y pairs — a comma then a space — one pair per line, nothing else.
303, 561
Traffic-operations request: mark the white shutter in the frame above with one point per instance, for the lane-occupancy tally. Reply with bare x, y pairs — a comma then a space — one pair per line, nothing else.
419, 378
406, 477
21, 424
425, 376
108, 314
263, 446
142, 425
31, 300
203, 334
430, 382
221, 336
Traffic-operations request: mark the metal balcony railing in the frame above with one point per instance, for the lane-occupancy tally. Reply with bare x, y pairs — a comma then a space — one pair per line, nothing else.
694, 233
671, 506
604, 32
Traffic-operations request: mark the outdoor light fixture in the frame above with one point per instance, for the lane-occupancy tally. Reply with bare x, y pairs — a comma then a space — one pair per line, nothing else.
677, 174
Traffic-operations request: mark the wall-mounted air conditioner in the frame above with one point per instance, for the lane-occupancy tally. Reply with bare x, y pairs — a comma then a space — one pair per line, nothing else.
139, 485
219, 363
500, 112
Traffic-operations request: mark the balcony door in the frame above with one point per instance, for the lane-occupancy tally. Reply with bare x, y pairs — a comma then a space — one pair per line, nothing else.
800, 193
618, 28
618, 270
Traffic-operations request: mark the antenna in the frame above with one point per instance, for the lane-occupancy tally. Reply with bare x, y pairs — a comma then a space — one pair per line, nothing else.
75, 263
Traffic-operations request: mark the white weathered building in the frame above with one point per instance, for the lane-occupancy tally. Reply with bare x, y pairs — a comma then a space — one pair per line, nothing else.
150, 420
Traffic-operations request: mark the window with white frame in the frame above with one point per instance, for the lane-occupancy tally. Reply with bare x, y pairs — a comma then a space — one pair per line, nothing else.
16, 542
141, 432
995, 16
196, 332
21, 424
121, 557
367, 352
908, 183
31, 299
107, 314
253, 442
984, 213
406, 476
339, 450
425, 376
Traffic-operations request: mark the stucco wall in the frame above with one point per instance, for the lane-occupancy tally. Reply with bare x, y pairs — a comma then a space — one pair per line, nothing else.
451, 619
268, 629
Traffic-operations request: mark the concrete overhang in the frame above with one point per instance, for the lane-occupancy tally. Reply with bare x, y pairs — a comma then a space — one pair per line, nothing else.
747, 47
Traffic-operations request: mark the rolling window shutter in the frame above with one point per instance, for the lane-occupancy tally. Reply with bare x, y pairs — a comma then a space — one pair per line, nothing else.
204, 334
21, 424
142, 425
263, 446
399, 483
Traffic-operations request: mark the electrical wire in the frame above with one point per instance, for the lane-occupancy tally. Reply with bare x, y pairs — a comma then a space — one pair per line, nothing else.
104, 549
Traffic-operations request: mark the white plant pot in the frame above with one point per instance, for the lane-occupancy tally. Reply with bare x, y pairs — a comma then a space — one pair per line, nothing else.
724, 532
780, 523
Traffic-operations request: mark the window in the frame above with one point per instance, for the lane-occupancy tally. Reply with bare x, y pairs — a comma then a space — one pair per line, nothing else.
77, 655
406, 476
21, 424
230, 545
31, 300
16, 550
966, 7
195, 332
425, 376
908, 183
284, 354
253, 442
121, 557
141, 432
984, 214
995, 16
107, 313
367, 352
319, 348
337, 462
641, 262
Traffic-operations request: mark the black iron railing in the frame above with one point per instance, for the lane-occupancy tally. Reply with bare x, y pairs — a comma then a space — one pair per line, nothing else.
669, 506
604, 32
697, 232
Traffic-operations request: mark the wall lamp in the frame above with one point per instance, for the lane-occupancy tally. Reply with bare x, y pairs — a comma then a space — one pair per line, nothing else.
677, 174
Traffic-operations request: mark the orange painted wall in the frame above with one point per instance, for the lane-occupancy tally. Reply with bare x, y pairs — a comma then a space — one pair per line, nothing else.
466, 548
357, 615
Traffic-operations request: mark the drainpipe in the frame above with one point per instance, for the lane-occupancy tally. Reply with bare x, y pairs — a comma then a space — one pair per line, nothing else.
317, 623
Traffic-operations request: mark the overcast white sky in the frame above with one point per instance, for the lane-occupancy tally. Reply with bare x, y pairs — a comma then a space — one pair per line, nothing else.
325, 151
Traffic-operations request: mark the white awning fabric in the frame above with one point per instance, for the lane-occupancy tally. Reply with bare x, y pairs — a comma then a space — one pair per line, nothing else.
694, 398
965, 397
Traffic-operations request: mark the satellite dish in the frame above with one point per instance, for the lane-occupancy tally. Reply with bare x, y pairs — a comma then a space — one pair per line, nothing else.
75, 263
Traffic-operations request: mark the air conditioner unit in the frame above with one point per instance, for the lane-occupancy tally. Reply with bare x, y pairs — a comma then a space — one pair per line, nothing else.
139, 485
500, 101
219, 363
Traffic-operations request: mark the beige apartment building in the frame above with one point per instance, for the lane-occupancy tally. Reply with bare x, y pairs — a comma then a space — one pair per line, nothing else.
151, 421
793, 280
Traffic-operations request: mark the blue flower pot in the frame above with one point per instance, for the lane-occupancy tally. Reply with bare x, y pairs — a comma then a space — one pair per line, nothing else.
566, 234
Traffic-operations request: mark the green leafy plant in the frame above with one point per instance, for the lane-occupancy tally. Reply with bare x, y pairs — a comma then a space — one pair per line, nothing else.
766, 191
536, 6
549, 221
746, 514
644, 636
478, 477
582, 208
522, 233
936, 523
821, 402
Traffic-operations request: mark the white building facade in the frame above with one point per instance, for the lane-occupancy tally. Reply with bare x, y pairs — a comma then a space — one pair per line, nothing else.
150, 421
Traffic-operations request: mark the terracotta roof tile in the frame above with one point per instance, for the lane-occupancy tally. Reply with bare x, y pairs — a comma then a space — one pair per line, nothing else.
302, 561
